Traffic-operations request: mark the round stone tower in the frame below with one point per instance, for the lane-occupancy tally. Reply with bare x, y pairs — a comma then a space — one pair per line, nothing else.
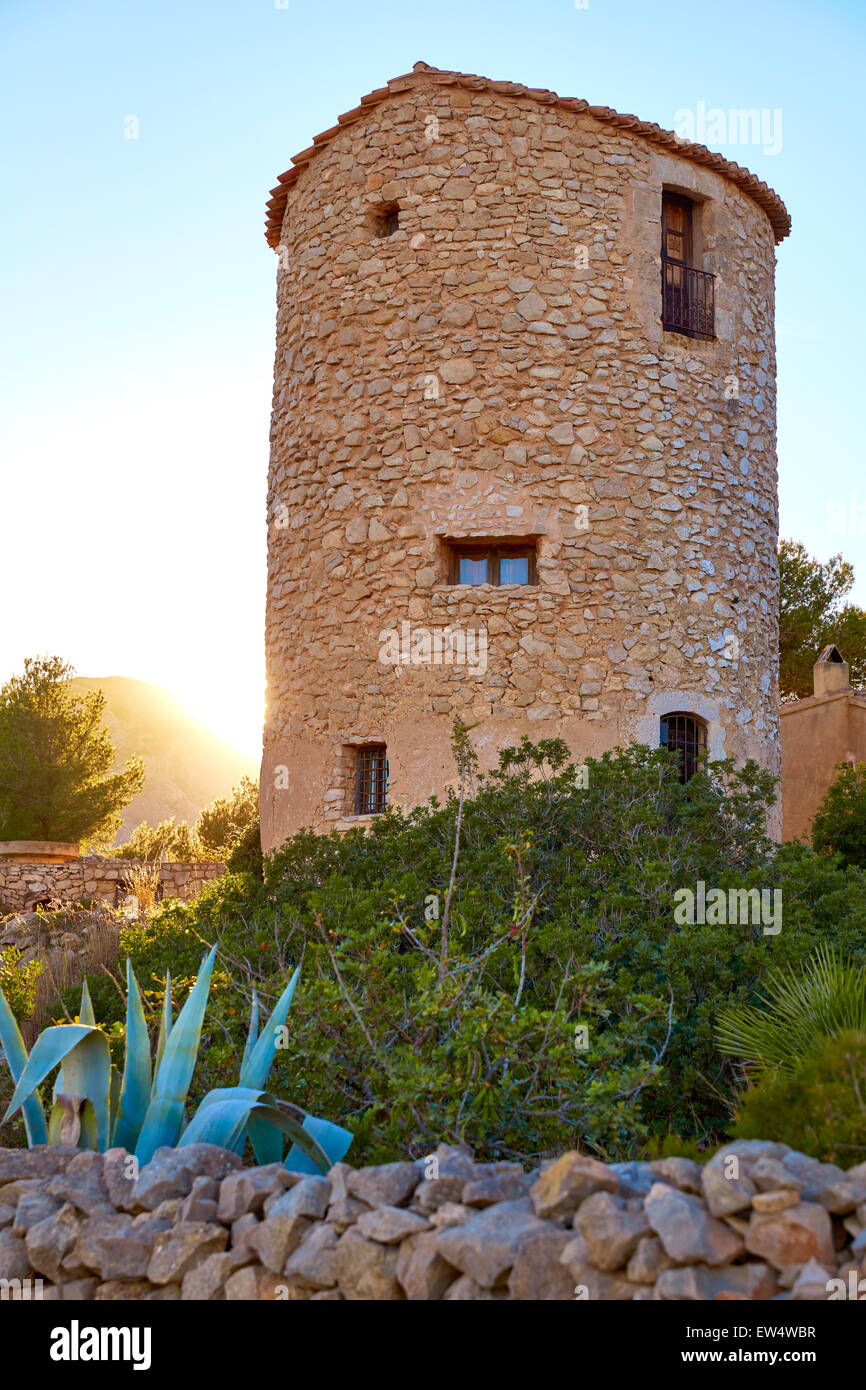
523, 462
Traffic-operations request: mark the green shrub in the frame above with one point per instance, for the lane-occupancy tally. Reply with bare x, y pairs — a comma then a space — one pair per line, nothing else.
801, 1008
819, 1108
672, 1146
840, 822
221, 825
591, 860
18, 982
171, 840
245, 856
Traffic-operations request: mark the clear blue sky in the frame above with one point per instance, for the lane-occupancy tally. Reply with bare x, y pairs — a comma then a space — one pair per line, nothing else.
138, 304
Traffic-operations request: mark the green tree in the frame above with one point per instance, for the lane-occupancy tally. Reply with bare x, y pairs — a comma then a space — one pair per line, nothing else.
840, 822
172, 840
221, 824
811, 615
56, 758
229, 824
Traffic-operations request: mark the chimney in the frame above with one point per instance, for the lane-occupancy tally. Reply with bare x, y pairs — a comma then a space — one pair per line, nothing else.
830, 673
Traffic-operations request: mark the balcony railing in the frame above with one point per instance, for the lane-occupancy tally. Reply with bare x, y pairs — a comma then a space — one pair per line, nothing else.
688, 300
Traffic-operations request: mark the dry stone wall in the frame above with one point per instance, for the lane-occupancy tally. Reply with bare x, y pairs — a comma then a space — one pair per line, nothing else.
23, 884
497, 368
758, 1221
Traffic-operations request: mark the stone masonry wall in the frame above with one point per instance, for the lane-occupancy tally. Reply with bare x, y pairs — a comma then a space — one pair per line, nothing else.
22, 884
758, 1221
492, 369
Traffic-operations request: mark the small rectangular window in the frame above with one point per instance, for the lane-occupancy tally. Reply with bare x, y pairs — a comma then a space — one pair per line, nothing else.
371, 779
490, 562
386, 220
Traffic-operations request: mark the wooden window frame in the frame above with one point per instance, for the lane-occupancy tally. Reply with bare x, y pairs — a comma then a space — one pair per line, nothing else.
494, 552
687, 205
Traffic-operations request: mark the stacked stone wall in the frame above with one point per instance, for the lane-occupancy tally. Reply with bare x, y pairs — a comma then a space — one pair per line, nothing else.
24, 884
757, 1221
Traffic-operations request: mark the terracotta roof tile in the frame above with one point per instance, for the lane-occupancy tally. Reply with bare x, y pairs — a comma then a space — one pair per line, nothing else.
762, 194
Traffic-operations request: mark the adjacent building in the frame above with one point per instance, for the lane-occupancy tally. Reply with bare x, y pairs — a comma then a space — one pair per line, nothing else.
819, 733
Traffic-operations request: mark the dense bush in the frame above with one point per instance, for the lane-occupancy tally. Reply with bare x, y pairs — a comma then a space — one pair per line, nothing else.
246, 855
227, 827
18, 981
819, 1107
170, 840
562, 916
840, 822
221, 825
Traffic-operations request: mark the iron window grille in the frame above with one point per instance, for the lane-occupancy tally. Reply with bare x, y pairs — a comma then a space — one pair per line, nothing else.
371, 780
688, 300
686, 735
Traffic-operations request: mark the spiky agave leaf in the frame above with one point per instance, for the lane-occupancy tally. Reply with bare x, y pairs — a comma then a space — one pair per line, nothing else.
15, 1052
165, 1025
266, 1140
85, 1057
224, 1114
85, 1013
259, 1053
164, 1118
257, 1065
135, 1089
252, 1034
333, 1140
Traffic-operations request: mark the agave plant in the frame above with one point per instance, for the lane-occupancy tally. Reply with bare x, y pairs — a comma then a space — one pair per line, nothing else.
801, 1011
143, 1109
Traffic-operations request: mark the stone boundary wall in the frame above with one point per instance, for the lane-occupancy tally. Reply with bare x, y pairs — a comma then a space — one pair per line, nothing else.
757, 1221
23, 884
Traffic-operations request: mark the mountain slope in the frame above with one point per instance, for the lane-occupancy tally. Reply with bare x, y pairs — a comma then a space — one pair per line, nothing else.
186, 764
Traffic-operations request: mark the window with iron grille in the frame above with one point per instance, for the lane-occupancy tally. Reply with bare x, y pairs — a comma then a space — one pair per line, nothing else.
688, 293
492, 562
686, 735
371, 779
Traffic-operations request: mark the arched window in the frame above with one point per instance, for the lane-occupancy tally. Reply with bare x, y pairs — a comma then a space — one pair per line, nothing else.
687, 735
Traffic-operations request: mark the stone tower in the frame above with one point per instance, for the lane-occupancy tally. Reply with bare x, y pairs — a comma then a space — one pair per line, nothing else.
523, 460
